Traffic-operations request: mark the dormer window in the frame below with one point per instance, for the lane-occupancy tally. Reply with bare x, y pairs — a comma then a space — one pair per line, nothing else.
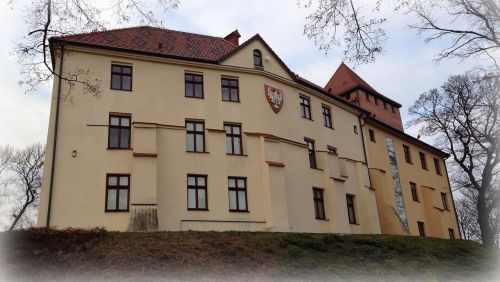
257, 58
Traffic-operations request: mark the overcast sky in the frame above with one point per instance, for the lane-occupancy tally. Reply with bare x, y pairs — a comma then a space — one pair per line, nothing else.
402, 73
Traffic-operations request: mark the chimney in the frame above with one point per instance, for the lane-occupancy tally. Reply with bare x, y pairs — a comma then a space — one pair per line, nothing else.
233, 37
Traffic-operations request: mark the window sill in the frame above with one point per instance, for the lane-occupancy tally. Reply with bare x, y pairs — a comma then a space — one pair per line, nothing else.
330, 127
315, 168
247, 211
116, 89
197, 152
237, 155
197, 209
231, 101
309, 119
194, 97
323, 219
112, 211
114, 149
257, 67
353, 223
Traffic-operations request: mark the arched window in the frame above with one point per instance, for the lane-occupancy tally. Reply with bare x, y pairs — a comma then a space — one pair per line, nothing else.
257, 58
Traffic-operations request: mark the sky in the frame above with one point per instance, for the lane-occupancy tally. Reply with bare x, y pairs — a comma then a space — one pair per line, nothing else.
402, 73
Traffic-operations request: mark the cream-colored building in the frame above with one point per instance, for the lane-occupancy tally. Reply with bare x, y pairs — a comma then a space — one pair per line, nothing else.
193, 132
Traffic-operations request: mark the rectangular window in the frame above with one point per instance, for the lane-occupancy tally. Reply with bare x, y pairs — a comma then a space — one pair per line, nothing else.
423, 161
331, 150
305, 107
312, 152
407, 153
385, 105
355, 129
351, 213
437, 166
445, 202
121, 77
372, 135
197, 192
327, 117
413, 188
367, 97
319, 206
193, 85
376, 101
119, 131
230, 91
237, 194
195, 136
421, 228
117, 192
233, 139
452, 233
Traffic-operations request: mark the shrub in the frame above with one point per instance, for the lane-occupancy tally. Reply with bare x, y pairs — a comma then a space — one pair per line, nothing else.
305, 241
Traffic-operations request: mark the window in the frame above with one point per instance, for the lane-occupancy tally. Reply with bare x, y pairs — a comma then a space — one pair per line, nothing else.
312, 152
305, 107
230, 90
452, 233
119, 132
194, 85
413, 188
117, 192
372, 135
197, 192
195, 136
367, 96
319, 206
331, 150
350, 209
437, 166
407, 153
237, 194
445, 202
257, 58
327, 117
393, 109
423, 161
385, 105
233, 139
121, 77
376, 101
355, 129
421, 228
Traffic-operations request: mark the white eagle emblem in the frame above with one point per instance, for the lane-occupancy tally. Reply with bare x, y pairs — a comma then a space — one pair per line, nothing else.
274, 97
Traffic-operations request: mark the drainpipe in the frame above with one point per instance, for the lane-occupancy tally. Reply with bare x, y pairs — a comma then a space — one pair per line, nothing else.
54, 143
452, 200
363, 116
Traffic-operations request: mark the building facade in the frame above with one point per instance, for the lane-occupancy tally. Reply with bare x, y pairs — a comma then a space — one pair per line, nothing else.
193, 132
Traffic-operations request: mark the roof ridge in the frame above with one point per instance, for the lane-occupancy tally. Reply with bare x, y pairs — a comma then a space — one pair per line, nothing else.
98, 31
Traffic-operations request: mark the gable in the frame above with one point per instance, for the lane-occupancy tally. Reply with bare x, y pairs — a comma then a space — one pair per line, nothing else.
243, 57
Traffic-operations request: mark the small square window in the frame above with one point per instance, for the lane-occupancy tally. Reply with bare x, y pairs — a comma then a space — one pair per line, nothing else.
121, 77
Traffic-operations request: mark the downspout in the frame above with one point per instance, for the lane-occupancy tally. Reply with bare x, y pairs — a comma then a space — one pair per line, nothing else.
364, 147
452, 200
54, 143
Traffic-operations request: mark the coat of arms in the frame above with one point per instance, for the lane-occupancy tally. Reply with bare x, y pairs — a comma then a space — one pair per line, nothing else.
274, 97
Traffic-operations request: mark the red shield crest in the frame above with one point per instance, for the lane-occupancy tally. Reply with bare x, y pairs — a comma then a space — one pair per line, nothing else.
274, 97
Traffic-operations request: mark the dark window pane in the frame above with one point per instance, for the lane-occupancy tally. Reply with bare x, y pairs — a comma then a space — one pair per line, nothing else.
225, 94
125, 134
115, 82
198, 78
225, 82
198, 90
127, 70
113, 137
234, 95
116, 69
189, 77
127, 83
189, 90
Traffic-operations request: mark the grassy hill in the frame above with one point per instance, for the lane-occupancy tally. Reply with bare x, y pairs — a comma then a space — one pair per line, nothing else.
77, 255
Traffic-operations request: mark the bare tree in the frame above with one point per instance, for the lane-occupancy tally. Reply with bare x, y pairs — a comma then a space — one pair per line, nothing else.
467, 219
464, 116
48, 18
363, 37
24, 170
471, 26
5, 155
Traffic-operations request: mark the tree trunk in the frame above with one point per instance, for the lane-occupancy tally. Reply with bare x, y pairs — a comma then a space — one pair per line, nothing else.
484, 222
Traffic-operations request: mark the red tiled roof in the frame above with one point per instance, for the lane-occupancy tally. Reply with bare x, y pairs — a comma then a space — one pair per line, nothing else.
155, 41
345, 79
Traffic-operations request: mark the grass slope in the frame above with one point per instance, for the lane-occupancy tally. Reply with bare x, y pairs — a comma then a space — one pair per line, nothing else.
77, 255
